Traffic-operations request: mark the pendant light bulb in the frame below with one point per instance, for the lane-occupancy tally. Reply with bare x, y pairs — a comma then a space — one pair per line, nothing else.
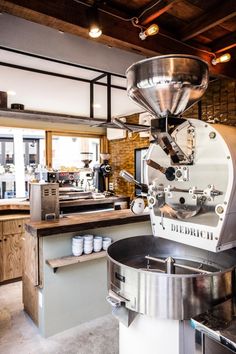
222, 59
150, 31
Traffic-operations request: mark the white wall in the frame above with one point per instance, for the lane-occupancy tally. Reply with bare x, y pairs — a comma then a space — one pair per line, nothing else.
31, 37
82, 287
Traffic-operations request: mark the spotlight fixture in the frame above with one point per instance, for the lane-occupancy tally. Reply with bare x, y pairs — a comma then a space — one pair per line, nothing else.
222, 59
94, 26
145, 32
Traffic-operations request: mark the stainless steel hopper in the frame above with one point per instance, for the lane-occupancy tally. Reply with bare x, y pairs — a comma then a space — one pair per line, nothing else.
167, 85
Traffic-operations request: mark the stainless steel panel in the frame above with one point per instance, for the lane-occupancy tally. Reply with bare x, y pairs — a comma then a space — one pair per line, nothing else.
168, 296
167, 84
44, 201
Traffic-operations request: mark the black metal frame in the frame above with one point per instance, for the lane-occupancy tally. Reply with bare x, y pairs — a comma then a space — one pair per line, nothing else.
137, 168
93, 82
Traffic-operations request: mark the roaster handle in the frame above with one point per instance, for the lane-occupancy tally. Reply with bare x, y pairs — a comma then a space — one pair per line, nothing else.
129, 178
115, 300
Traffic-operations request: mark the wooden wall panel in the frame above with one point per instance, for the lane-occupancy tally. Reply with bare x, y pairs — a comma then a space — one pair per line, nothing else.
12, 256
30, 276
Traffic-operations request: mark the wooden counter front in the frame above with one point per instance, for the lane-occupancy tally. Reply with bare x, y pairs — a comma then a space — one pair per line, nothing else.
83, 221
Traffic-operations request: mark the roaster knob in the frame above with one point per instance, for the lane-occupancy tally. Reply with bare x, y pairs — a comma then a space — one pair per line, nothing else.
170, 173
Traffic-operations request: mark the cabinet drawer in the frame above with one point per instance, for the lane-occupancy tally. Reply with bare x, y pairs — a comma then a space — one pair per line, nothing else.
12, 227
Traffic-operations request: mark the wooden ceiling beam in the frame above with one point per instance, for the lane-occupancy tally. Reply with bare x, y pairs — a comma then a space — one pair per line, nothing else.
156, 11
116, 33
116, 11
214, 17
224, 43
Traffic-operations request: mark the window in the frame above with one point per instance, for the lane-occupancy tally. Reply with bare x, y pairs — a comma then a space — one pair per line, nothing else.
22, 163
69, 151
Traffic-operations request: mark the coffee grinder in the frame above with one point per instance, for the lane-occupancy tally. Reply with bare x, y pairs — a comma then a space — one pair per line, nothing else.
101, 174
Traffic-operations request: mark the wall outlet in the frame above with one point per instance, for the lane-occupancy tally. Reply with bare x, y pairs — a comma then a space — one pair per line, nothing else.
130, 134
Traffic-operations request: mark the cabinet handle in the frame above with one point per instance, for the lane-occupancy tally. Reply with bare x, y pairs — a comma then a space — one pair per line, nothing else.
5, 239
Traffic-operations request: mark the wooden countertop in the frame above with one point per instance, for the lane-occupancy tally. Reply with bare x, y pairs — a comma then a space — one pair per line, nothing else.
14, 204
17, 204
84, 221
14, 217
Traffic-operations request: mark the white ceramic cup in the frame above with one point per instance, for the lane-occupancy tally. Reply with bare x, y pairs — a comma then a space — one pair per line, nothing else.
106, 243
77, 239
88, 237
97, 243
88, 244
88, 250
77, 253
77, 245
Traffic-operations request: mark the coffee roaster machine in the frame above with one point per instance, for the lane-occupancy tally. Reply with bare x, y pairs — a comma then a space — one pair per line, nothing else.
158, 283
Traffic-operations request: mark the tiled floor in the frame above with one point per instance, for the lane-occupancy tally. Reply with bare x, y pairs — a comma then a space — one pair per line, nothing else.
19, 335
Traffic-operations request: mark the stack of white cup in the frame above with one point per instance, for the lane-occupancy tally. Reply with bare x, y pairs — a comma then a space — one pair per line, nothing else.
77, 245
97, 243
106, 242
88, 244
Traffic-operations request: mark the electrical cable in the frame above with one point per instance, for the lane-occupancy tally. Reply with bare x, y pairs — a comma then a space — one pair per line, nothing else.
135, 21
120, 17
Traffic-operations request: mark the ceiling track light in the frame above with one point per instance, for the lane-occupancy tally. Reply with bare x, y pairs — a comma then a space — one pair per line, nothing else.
145, 32
222, 59
95, 30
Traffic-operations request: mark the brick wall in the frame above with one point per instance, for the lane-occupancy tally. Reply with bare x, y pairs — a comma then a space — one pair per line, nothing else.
218, 102
122, 157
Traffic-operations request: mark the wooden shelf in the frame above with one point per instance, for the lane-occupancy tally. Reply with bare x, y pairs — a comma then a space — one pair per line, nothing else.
64, 118
49, 117
69, 260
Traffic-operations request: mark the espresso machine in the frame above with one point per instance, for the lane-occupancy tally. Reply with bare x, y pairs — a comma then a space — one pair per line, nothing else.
158, 283
101, 174
72, 185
